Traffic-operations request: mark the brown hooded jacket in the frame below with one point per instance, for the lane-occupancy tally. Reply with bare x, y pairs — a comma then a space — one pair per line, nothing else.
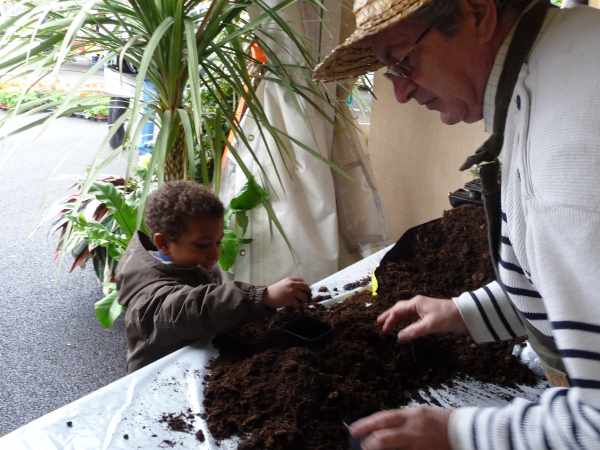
169, 306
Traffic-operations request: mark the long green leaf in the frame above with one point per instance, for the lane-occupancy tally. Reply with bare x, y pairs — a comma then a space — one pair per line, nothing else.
176, 47
108, 309
254, 107
263, 18
78, 21
156, 165
189, 143
230, 246
115, 201
192, 64
25, 52
132, 149
68, 101
250, 197
146, 60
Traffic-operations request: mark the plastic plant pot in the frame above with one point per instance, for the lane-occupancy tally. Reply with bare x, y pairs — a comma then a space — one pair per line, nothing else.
307, 330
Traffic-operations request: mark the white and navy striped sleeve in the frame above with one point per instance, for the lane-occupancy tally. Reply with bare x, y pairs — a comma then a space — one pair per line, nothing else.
563, 244
489, 315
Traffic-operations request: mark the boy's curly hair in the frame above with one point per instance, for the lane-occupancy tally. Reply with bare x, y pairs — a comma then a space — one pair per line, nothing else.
171, 207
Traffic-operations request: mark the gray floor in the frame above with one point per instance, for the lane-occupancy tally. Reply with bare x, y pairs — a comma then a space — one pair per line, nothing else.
52, 351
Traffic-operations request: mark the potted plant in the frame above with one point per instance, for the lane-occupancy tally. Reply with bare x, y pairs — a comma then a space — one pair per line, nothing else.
188, 50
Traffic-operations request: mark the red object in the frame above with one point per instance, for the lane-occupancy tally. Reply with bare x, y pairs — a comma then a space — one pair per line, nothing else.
257, 53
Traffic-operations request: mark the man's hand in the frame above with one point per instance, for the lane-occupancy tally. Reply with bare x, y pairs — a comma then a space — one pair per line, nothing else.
423, 428
287, 292
425, 316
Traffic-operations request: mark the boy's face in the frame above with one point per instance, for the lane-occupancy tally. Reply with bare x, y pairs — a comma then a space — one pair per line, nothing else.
197, 246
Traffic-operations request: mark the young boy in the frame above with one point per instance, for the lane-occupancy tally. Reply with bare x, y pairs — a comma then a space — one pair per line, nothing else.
170, 283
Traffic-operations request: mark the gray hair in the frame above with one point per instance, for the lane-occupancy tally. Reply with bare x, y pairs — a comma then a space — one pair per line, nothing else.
445, 13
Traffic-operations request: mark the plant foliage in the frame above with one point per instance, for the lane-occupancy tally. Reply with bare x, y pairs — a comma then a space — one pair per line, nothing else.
190, 51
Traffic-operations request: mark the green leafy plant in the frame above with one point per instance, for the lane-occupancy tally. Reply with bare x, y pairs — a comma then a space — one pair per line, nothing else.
98, 226
236, 221
108, 309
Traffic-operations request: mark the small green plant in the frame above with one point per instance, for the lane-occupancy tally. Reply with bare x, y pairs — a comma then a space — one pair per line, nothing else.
95, 106
236, 221
99, 226
9, 99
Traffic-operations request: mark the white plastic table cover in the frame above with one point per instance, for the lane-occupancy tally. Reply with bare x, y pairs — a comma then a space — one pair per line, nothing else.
126, 413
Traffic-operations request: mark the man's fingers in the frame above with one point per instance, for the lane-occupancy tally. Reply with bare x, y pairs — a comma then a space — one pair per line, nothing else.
390, 439
377, 421
389, 324
383, 316
399, 312
415, 330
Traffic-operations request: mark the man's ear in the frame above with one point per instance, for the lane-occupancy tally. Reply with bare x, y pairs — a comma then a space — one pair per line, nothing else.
483, 16
160, 241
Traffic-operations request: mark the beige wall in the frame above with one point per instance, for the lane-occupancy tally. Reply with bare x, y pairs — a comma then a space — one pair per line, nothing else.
415, 159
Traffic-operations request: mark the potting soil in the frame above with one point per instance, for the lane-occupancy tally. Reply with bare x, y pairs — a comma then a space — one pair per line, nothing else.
277, 392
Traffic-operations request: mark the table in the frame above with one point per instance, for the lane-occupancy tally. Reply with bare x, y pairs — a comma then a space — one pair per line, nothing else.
125, 414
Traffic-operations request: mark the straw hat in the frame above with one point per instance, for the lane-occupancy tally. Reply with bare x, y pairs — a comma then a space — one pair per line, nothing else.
355, 57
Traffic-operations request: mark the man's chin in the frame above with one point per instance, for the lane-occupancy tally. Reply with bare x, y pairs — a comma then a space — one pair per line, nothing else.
449, 119
454, 117
460, 115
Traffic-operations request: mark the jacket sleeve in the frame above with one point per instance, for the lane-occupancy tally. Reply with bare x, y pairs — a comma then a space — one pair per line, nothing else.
566, 245
489, 314
186, 313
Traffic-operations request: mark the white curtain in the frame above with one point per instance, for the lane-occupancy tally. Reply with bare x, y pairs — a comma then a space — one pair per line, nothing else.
307, 203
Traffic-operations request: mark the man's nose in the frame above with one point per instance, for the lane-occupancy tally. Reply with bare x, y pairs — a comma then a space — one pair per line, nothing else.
404, 88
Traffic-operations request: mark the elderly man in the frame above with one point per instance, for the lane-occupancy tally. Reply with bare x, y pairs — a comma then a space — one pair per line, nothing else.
532, 72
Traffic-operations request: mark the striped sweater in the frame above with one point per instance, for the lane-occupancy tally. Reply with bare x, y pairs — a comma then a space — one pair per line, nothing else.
550, 249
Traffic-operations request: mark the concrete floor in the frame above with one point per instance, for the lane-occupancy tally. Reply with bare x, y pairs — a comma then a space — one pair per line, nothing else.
52, 351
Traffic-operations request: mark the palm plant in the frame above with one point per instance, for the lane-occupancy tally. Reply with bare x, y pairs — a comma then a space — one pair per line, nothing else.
197, 55
186, 49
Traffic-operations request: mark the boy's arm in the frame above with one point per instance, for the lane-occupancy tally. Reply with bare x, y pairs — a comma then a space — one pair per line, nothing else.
198, 313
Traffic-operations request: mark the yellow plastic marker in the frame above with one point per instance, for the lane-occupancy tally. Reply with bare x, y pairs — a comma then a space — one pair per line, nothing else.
374, 285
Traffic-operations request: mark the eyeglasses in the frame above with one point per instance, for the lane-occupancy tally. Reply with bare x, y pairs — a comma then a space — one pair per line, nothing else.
402, 68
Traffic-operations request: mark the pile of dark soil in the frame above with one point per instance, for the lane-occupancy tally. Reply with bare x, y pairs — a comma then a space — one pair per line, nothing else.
277, 392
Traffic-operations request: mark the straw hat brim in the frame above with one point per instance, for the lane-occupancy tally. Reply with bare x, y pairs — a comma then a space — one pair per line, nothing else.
355, 56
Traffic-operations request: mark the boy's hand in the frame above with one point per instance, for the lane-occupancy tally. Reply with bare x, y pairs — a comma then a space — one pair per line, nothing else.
287, 292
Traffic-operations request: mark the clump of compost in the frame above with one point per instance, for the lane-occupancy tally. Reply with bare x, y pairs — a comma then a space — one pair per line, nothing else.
277, 392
